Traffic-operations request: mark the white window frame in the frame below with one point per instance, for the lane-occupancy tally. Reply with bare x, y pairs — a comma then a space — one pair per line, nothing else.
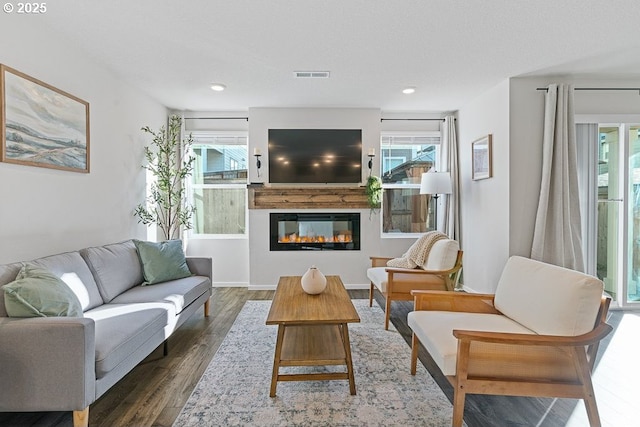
438, 134
191, 187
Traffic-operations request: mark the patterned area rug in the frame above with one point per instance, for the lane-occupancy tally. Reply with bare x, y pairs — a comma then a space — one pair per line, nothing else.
234, 390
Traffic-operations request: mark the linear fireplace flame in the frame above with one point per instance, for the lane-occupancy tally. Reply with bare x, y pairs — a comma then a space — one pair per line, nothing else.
294, 238
314, 231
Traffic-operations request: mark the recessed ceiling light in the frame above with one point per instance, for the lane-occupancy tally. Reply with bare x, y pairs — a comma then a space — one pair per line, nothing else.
218, 87
408, 90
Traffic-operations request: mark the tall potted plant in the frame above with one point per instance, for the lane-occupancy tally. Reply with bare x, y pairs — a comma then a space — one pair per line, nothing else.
169, 161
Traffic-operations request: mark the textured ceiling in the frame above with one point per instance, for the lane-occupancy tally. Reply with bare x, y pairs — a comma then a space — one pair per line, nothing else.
450, 50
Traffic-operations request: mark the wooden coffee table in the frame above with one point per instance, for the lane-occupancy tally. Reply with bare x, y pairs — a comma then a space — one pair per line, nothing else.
312, 331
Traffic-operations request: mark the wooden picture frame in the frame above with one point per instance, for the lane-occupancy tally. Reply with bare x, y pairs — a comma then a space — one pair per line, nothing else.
481, 158
42, 125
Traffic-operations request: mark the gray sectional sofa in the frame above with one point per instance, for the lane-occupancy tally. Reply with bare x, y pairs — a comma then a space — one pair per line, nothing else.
67, 363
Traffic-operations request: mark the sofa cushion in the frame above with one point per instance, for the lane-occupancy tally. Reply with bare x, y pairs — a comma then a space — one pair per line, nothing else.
379, 277
115, 267
39, 293
180, 292
440, 342
162, 261
442, 256
71, 268
123, 328
548, 299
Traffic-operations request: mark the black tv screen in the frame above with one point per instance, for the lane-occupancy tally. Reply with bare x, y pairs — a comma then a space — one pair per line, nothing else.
315, 155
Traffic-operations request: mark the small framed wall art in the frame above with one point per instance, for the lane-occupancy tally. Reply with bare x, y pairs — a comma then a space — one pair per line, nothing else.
42, 125
481, 158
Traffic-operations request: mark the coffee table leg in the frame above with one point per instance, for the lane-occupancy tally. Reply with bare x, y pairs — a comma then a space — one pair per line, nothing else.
347, 351
276, 361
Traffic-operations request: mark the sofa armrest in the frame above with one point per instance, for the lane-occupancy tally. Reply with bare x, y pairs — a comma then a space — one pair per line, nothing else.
454, 301
201, 266
48, 363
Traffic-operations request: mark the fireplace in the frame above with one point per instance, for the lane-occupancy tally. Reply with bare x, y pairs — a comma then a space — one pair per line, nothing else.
314, 231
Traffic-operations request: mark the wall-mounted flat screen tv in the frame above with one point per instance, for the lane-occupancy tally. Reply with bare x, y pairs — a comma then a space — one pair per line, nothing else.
315, 156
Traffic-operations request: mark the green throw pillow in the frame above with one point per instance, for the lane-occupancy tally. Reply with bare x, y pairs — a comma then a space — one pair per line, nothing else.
162, 261
39, 293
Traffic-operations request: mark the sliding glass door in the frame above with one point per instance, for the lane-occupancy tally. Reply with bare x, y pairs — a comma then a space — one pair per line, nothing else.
633, 243
609, 209
615, 233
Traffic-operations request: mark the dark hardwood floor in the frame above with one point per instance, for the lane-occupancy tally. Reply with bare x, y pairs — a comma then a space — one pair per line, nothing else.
155, 391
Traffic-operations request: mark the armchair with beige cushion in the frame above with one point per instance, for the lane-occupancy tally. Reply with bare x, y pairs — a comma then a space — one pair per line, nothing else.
439, 271
536, 336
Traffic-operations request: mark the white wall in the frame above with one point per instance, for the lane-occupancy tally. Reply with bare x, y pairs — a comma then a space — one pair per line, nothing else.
266, 266
45, 211
526, 118
485, 203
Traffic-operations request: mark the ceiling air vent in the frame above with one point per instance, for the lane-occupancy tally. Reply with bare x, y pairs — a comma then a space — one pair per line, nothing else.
311, 74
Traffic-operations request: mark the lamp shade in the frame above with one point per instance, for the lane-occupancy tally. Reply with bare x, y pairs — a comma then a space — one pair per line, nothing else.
435, 183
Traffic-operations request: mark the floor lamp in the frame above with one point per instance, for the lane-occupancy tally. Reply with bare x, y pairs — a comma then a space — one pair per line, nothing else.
435, 183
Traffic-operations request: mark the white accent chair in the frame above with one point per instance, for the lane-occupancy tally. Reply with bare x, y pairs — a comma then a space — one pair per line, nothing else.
537, 336
439, 272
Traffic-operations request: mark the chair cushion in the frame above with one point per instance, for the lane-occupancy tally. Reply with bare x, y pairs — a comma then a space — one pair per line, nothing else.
180, 292
379, 277
548, 299
435, 329
418, 253
115, 267
442, 256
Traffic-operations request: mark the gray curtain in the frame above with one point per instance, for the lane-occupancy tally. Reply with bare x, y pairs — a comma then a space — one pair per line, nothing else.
557, 236
449, 159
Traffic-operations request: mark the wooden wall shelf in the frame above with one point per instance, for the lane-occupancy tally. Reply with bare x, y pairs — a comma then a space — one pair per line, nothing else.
307, 197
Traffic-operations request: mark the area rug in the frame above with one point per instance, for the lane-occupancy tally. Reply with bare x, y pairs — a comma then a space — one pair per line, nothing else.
234, 390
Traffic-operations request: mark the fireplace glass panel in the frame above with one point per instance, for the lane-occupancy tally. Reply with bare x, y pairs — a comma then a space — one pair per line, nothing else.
290, 232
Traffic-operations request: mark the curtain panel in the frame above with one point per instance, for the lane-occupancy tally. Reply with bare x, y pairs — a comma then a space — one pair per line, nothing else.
557, 237
451, 217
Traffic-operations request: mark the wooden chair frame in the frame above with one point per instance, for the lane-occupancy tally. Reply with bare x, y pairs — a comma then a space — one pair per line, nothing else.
516, 364
397, 288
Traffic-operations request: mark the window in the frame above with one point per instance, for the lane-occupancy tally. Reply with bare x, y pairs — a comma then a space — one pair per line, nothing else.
219, 185
404, 159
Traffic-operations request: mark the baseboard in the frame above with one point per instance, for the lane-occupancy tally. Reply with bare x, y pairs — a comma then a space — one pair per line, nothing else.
230, 284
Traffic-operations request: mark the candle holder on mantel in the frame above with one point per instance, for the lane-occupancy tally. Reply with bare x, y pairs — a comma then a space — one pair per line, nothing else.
371, 155
257, 154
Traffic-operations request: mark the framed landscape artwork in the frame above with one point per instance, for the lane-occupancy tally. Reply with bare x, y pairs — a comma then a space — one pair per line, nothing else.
481, 158
42, 125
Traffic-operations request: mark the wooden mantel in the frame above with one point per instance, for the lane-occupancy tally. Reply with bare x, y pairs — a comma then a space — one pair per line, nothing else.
307, 197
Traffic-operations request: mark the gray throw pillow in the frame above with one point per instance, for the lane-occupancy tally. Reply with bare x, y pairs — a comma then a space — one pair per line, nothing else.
37, 292
162, 261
